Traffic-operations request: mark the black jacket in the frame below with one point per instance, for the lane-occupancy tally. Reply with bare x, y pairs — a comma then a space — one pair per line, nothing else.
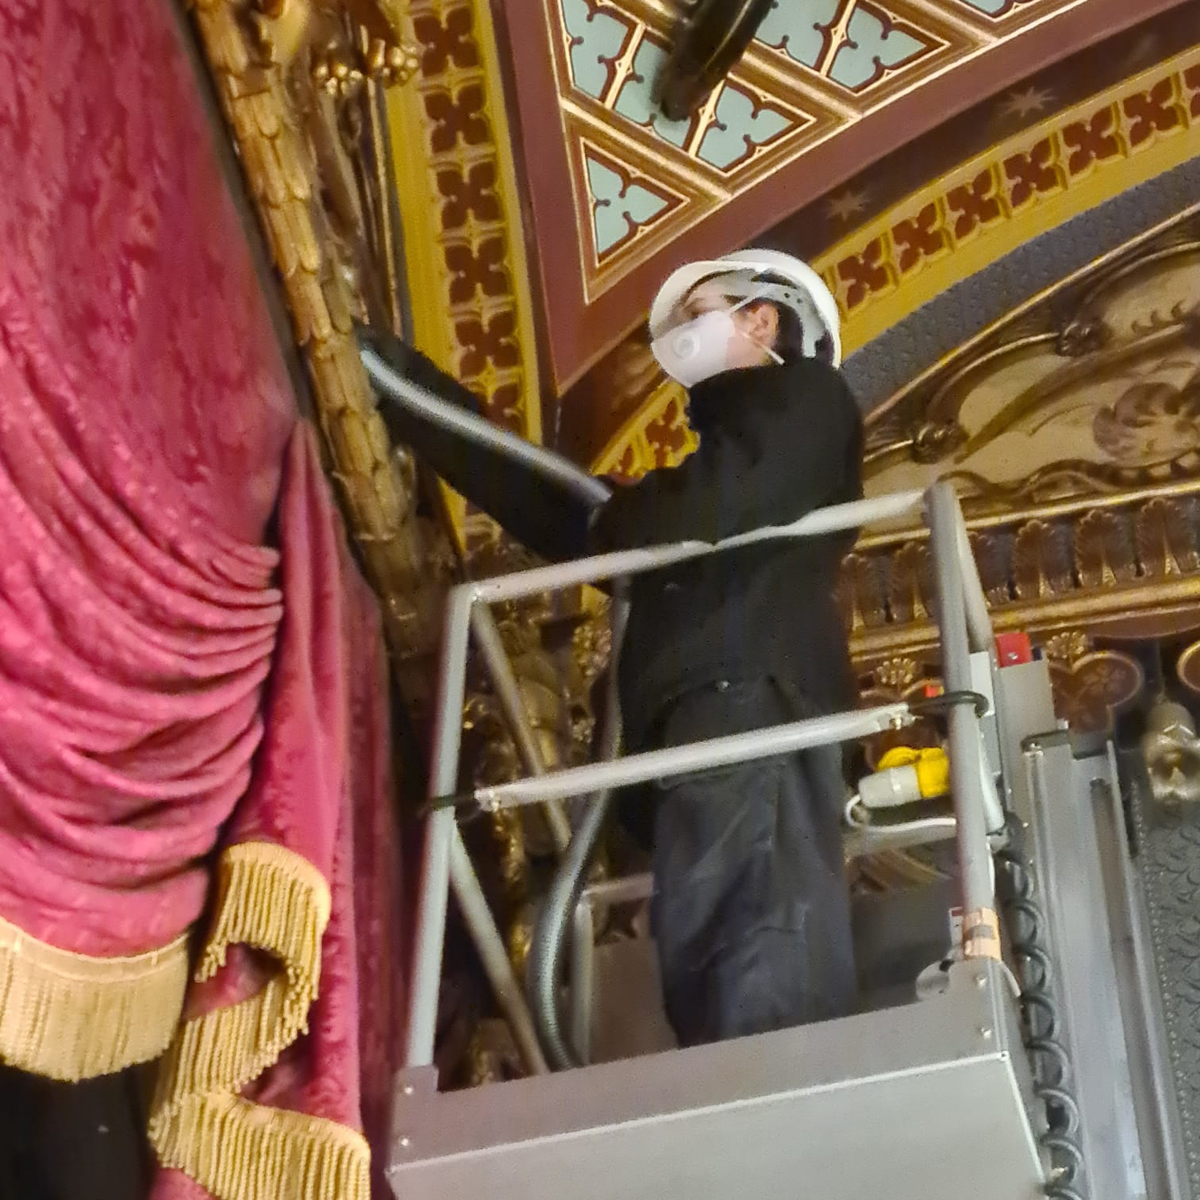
775, 443
545, 517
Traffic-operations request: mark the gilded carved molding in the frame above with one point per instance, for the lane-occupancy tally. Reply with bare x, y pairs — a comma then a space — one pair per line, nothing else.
1022, 187
464, 248
295, 82
1092, 389
1071, 430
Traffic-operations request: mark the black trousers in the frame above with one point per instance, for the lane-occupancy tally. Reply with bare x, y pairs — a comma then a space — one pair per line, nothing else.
751, 909
74, 1141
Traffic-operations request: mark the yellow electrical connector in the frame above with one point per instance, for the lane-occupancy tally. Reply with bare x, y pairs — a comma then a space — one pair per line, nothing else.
931, 765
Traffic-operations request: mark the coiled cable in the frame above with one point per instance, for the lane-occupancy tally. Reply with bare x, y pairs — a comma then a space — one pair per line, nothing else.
1048, 1054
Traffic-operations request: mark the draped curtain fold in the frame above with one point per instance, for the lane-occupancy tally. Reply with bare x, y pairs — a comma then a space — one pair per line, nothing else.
197, 852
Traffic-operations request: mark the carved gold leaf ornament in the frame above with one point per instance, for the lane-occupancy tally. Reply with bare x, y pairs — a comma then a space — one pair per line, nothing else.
1052, 566
861, 591
909, 583
1103, 550
1166, 537
1042, 560
267, 129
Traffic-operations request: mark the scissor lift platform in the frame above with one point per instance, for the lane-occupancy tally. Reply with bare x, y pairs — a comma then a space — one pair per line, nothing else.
929, 1100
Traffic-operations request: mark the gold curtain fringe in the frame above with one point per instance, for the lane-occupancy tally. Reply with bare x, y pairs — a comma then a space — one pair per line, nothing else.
243, 1151
272, 900
71, 1016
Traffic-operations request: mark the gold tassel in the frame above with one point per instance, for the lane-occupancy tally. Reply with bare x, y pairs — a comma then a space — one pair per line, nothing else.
243, 1151
273, 900
71, 1016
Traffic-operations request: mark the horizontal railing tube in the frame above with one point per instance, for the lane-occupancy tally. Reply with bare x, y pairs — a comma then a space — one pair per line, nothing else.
636, 562
698, 756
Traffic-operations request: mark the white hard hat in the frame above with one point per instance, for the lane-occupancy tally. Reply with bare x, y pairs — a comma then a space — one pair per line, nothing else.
809, 298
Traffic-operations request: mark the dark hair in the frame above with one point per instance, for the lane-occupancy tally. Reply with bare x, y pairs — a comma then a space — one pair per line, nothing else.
789, 339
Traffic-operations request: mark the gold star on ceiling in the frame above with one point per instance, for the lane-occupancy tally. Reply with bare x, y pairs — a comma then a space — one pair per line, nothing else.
1024, 103
846, 205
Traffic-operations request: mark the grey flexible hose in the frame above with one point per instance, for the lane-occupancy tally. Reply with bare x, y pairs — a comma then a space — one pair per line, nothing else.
544, 969
385, 379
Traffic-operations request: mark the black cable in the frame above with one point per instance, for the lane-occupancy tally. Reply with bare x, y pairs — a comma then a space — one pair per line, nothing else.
1048, 1055
937, 706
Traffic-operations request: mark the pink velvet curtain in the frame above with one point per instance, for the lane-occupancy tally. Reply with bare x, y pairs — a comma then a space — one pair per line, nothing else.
189, 660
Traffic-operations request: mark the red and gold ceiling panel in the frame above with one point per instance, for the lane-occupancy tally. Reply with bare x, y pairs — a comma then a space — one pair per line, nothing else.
619, 195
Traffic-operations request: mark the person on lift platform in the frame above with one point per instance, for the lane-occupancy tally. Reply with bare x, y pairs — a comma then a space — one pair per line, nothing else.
751, 911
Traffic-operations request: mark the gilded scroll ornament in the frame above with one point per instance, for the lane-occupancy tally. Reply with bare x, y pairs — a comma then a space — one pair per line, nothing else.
1187, 667
1166, 537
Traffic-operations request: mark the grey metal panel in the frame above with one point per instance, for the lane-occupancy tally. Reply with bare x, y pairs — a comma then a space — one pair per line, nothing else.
1070, 878
1024, 706
918, 1103
897, 934
628, 1018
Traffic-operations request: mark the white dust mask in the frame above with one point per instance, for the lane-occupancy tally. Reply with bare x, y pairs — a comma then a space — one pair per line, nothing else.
699, 349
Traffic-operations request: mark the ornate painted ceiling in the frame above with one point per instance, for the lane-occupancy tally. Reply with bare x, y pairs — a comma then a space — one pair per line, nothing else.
500, 190
1072, 431
619, 194
900, 145
1012, 172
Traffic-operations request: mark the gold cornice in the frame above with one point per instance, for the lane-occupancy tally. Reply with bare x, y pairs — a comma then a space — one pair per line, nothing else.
1015, 224
1158, 599
1130, 560
1044, 512
269, 129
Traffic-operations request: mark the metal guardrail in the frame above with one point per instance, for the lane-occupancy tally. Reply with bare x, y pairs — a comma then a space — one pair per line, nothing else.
964, 625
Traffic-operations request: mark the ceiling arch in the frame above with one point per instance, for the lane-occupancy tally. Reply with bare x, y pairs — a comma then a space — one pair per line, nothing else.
617, 194
1075, 147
